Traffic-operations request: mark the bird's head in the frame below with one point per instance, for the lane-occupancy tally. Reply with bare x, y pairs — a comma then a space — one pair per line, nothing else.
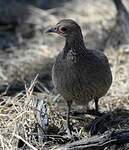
65, 28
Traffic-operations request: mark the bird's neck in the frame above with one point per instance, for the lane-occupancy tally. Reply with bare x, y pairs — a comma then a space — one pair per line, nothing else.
75, 44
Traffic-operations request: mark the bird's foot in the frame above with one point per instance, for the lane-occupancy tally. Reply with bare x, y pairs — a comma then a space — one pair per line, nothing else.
68, 130
69, 133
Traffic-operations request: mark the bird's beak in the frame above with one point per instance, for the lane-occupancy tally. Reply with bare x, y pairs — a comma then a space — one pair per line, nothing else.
52, 29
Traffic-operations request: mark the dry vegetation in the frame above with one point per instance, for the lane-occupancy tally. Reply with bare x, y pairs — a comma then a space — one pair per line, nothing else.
18, 121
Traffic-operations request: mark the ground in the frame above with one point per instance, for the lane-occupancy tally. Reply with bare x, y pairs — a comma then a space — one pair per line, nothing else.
18, 120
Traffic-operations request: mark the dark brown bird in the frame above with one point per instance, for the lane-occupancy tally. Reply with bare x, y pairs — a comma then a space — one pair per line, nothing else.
79, 74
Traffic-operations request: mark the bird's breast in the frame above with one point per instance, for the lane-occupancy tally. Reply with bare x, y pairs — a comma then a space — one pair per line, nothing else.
68, 79
80, 77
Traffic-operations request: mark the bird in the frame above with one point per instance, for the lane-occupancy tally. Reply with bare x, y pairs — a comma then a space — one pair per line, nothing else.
78, 74
122, 19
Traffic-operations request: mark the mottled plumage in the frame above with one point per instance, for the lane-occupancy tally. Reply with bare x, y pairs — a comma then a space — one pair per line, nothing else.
79, 74
81, 77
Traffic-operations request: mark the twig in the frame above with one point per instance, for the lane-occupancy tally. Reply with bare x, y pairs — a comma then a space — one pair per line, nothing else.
42, 119
20, 138
99, 142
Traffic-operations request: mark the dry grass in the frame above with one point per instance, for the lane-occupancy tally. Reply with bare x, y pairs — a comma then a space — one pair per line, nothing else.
18, 115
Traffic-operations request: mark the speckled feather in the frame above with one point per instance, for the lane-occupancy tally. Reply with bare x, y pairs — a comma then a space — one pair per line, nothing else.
79, 74
82, 78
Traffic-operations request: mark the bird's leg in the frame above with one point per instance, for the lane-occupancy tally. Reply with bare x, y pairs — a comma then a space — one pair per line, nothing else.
68, 117
96, 104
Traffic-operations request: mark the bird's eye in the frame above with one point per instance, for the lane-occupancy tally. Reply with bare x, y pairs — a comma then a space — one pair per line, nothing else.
62, 28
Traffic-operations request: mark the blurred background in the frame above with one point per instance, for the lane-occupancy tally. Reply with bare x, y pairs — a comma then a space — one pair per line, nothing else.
25, 51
